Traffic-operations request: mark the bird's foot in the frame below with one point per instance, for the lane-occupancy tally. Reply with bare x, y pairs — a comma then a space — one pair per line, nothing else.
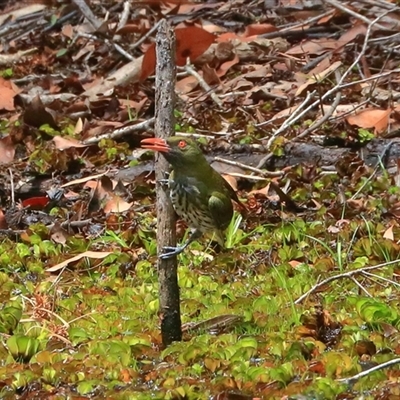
163, 182
171, 251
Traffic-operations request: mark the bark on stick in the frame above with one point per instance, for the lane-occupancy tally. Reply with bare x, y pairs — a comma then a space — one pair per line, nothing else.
164, 127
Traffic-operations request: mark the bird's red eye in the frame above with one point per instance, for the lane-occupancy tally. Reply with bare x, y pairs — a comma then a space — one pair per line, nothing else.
182, 144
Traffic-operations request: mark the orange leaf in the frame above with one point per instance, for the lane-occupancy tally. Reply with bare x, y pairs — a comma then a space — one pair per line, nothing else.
224, 67
3, 222
191, 42
259, 29
7, 95
371, 118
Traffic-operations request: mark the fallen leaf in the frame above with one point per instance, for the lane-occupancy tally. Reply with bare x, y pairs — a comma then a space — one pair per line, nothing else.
83, 180
315, 47
294, 263
186, 84
7, 150
3, 222
191, 42
58, 234
90, 254
318, 77
389, 233
371, 118
352, 33
231, 180
259, 29
116, 204
224, 67
63, 143
8, 93
37, 115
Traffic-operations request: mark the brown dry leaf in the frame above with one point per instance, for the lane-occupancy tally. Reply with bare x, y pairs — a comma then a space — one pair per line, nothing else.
358, 205
327, 18
388, 330
319, 77
231, 180
83, 180
136, 106
37, 115
352, 33
210, 76
90, 254
321, 66
3, 222
316, 47
389, 233
91, 184
371, 118
186, 85
294, 263
263, 191
259, 29
333, 229
99, 195
59, 234
8, 92
227, 37
283, 114
224, 67
89, 48
117, 205
104, 196
68, 31
78, 126
187, 7
363, 347
63, 143
257, 71
7, 150
237, 84
212, 28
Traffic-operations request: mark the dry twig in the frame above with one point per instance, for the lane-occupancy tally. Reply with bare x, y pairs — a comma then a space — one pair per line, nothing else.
351, 12
249, 168
118, 133
348, 274
369, 371
190, 70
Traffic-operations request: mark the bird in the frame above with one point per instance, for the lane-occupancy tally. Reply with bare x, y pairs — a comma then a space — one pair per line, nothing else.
199, 194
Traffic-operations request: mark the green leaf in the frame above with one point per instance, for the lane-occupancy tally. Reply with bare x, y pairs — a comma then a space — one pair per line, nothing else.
61, 52
373, 311
78, 335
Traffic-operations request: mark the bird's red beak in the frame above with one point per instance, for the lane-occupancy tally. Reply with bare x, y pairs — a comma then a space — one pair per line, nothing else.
155, 144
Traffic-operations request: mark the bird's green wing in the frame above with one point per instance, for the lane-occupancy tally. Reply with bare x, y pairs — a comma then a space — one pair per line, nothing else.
221, 209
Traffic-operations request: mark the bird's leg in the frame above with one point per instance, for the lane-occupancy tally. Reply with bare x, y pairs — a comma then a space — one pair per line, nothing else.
171, 251
164, 181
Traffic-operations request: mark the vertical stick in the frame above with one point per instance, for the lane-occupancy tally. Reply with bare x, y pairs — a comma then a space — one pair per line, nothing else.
166, 236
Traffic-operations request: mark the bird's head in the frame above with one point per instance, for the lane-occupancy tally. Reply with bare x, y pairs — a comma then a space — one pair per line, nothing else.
179, 151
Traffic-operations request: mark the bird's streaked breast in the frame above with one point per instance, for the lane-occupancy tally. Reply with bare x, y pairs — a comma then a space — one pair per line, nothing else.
195, 214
